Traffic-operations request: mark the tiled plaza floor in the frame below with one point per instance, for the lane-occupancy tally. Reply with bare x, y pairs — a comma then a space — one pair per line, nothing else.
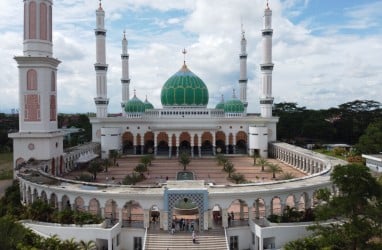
204, 168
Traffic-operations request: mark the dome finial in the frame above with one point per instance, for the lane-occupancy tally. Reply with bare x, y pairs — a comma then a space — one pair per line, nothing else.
242, 28
100, 4
233, 93
146, 99
184, 51
135, 92
124, 34
222, 98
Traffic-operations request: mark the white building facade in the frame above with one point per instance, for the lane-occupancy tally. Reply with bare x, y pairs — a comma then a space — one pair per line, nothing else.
184, 123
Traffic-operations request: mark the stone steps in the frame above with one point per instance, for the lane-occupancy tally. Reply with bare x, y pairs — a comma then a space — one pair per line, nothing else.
180, 240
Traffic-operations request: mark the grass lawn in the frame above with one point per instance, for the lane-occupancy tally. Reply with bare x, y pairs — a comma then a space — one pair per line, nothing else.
6, 170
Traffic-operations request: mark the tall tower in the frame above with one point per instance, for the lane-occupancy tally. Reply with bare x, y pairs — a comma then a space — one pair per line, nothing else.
125, 80
38, 137
101, 101
266, 99
243, 71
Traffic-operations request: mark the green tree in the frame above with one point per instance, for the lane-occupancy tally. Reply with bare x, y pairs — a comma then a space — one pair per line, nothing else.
274, 169
221, 159
140, 168
371, 141
229, 168
87, 245
11, 233
238, 178
287, 176
107, 163
146, 160
40, 210
357, 208
113, 154
262, 162
184, 160
70, 244
95, 167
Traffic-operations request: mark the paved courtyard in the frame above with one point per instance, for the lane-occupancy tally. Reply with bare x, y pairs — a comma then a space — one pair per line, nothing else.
163, 169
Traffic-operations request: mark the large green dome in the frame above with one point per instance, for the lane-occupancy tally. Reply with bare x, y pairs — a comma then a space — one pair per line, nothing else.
234, 106
184, 89
134, 105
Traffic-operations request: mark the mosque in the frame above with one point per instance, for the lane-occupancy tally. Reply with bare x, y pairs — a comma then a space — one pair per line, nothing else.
183, 124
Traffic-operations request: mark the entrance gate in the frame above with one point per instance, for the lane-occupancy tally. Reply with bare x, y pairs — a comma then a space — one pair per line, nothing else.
199, 197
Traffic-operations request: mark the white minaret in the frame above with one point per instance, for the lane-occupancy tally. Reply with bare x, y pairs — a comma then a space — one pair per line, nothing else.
38, 136
266, 99
243, 71
101, 101
125, 80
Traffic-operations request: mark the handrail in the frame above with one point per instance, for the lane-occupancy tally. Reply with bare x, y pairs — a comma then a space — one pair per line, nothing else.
144, 240
226, 238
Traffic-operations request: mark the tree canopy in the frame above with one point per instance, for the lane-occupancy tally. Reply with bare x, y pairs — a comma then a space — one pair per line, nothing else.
357, 210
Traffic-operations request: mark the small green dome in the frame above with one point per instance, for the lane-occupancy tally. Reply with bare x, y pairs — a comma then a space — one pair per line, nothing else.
220, 105
234, 106
185, 89
148, 105
134, 105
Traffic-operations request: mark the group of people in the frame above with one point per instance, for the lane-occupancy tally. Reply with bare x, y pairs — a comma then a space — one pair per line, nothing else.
183, 225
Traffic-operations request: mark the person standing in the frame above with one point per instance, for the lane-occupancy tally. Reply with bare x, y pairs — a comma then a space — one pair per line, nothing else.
193, 237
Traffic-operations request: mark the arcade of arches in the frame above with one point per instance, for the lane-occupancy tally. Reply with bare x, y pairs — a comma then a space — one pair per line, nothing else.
196, 144
133, 213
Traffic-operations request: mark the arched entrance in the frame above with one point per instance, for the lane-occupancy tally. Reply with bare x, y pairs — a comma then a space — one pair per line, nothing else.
162, 147
241, 143
220, 142
185, 215
185, 147
127, 142
189, 205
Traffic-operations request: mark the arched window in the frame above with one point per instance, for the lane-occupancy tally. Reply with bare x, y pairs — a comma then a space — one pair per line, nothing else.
32, 20
43, 22
53, 81
31, 79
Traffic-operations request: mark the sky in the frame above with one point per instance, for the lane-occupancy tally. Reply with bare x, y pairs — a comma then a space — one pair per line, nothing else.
325, 52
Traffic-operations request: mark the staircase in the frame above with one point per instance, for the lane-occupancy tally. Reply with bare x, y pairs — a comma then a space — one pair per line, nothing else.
209, 240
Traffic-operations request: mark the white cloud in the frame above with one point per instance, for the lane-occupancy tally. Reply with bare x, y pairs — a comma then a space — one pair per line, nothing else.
317, 71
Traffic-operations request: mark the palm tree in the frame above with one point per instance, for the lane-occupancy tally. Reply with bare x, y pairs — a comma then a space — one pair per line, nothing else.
274, 168
238, 178
146, 160
254, 157
229, 168
262, 162
70, 244
106, 163
87, 245
288, 176
113, 154
184, 159
94, 168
